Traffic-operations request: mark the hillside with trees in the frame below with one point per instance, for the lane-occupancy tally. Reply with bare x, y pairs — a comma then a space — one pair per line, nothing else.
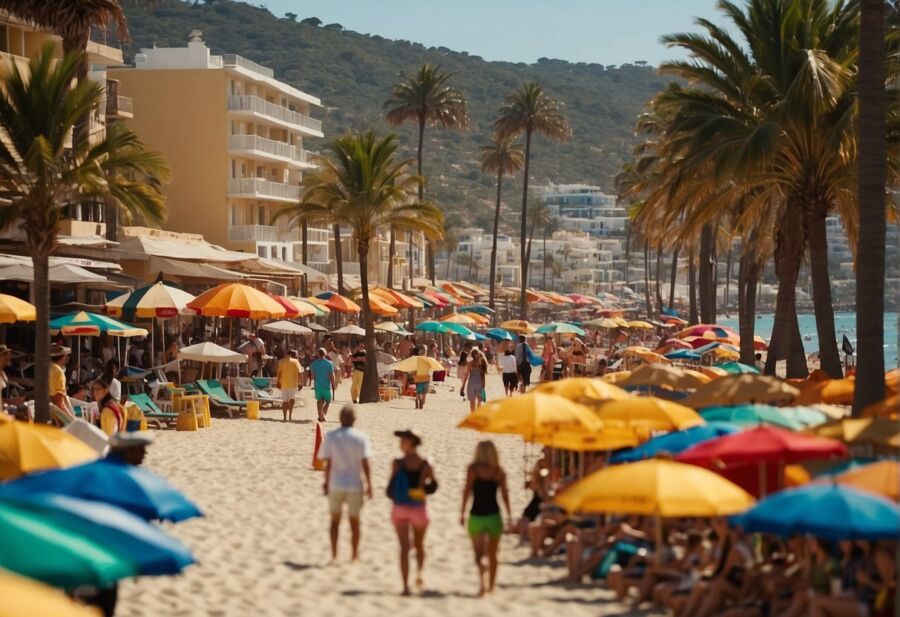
353, 74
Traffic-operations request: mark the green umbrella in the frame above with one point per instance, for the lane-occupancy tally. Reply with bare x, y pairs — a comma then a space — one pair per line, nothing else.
42, 550
560, 327
736, 368
751, 415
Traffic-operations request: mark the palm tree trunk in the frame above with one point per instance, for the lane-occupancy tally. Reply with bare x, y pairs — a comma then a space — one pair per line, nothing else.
870, 258
338, 259
544, 260
41, 262
649, 306
523, 305
627, 251
449, 258
392, 252
493, 282
703, 282
530, 240
409, 239
673, 276
304, 248
748, 274
786, 344
729, 265
821, 288
692, 287
659, 300
713, 276
369, 391
419, 148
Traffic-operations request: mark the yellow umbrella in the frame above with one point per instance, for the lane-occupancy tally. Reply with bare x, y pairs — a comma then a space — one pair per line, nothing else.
460, 318
236, 300
873, 431
736, 389
610, 438
640, 325
657, 487
713, 372
663, 375
31, 447
532, 415
380, 307
703, 377
650, 413
888, 408
616, 377
519, 326
607, 323
12, 309
830, 391
23, 597
421, 365
305, 308
583, 389
882, 477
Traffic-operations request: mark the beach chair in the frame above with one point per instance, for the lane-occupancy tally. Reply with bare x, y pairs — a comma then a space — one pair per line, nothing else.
218, 398
151, 411
246, 389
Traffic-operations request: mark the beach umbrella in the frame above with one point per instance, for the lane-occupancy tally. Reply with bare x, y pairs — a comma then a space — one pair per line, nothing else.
435, 299
608, 438
658, 487
59, 556
607, 323
882, 477
435, 327
583, 390
399, 299
458, 318
316, 327
518, 326
92, 324
824, 510
649, 413
156, 300
889, 407
736, 389
456, 328
13, 309
350, 330
675, 442
582, 300
878, 432
713, 372
380, 307
659, 375
672, 344
285, 327
807, 416
291, 310
23, 597
25, 448
477, 308
532, 415
710, 331
499, 334
640, 325
236, 300
645, 355
305, 308
152, 551
420, 365
560, 327
210, 352
830, 391
751, 415
131, 488
615, 377
736, 368
392, 327
456, 291
764, 444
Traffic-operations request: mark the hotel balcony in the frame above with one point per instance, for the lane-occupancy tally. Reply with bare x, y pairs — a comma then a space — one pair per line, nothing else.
262, 233
269, 149
259, 188
262, 109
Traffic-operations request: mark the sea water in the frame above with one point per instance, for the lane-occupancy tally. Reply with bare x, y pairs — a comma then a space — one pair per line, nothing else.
844, 323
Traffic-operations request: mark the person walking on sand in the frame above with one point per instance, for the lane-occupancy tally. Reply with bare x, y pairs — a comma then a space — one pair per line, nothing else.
474, 381
411, 479
346, 452
523, 363
323, 382
508, 369
287, 380
483, 478
359, 368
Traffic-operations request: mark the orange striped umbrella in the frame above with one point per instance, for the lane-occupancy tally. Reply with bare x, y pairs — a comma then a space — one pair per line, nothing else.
236, 300
461, 318
398, 299
341, 304
291, 310
380, 307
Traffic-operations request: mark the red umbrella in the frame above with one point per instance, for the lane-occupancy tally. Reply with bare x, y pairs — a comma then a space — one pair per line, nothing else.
765, 444
290, 308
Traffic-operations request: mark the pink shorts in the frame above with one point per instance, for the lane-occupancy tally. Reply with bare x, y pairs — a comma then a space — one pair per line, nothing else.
417, 516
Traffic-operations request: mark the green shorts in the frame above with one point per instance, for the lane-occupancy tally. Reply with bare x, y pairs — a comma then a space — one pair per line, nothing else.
422, 387
323, 394
492, 524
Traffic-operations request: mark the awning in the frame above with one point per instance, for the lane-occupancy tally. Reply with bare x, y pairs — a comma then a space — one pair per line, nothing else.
189, 269
145, 247
59, 273
268, 266
90, 241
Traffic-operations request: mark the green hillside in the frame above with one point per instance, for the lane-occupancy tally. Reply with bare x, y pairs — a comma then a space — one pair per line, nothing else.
352, 73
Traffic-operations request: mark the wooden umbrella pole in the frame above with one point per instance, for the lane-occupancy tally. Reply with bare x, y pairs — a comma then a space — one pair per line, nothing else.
659, 539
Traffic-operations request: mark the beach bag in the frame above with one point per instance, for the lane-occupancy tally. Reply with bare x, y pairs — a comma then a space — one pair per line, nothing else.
398, 487
134, 418
533, 358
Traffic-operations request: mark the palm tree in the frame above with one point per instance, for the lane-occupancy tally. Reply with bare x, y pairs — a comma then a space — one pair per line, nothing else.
871, 253
539, 214
502, 156
551, 262
362, 185
548, 230
338, 255
428, 99
42, 172
529, 110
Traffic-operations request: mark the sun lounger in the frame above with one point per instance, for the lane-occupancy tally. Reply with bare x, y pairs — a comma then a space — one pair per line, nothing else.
218, 398
151, 411
246, 389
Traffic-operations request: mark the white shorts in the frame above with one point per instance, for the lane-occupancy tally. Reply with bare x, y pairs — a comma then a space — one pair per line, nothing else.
288, 395
353, 499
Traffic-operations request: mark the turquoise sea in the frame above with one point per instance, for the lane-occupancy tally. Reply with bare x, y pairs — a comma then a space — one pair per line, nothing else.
844, 323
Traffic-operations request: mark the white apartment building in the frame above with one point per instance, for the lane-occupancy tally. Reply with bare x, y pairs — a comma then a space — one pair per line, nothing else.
585, 208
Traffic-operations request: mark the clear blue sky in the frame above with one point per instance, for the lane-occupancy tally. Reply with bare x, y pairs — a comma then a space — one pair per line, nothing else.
602, 31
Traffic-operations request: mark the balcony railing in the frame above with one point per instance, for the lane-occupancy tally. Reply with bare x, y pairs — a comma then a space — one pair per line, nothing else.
264, 188
118, 104
279, 112
269, 146
261, 233
349, 267
250, 65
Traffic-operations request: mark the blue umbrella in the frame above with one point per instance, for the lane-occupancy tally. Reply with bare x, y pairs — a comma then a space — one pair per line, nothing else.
152, 552
499, 334
443, 327
828, 511
683, 354
737, 368
675, 442
131, 488
477, 308
751, 415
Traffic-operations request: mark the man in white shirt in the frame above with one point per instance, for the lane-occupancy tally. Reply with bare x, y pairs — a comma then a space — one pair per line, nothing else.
346, 452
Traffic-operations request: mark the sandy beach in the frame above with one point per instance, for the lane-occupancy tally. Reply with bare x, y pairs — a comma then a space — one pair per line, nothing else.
263, 545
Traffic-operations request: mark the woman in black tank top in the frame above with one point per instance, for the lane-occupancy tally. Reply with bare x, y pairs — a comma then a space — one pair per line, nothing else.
484, 478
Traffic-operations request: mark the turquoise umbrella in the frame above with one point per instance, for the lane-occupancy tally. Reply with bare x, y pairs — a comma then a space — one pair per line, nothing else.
560, 327
751, 415
442, 327
92, 324
499, 334
477, 308
737, 368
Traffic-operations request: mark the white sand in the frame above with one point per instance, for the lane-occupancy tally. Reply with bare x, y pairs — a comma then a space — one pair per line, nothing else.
263, 545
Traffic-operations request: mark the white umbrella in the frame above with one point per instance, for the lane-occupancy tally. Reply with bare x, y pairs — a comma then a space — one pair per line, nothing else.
210, 352
285, 327
390, 326
351, 330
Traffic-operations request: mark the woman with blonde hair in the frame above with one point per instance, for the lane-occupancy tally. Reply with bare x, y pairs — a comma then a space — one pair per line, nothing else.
473, 382
483, 479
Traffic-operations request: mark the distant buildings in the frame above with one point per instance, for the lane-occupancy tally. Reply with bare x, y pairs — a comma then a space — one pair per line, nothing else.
585, 208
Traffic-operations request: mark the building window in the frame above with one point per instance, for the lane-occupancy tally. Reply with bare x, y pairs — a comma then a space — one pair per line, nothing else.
261, 214
262, 251
284, 253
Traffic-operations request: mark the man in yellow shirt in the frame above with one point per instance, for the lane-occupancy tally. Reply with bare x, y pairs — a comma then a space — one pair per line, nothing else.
59, 358
288, 381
